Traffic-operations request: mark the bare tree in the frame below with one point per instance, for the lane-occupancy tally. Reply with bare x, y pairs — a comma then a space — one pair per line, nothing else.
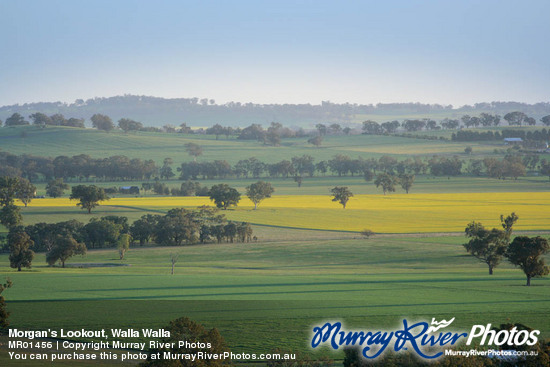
174, 260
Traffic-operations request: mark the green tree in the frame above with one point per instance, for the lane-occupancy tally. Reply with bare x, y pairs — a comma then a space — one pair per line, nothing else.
545, 120
406, 181
56, 188
528, 253
10, 216
4, 314
129, 125
178, 226
8, 190
488, 246
64, 247
387, 181
193, 150
123, 244
341, 194
217, 130
516, 118
40, 119
224, 196
101, 232
88, 196
259, 191
25, 191
15, 120
166, 172
507, 223
102, 122
192, 332
19, 244
143, 229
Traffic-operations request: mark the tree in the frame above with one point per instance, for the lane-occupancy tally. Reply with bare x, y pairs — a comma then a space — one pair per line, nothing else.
89, 196
8, 189
102, 232
123, 244
193, 150
4, 314
16, 120
178, 226
488, 246
58, 120
468, 150
173, 260
273, 134
341, 194
367, 233
406, 181
144, 228
129, 125
545, 120
10, 216
335, 128
166, 172
192, 332
56, 188
184, 129
515, 118
64, 247
316, 140
19, 244
40, 119
215, 130
371, 127
527, 253
224, 196
322, 129
25, 191
507, 223
102, 122
387, 181
259, 191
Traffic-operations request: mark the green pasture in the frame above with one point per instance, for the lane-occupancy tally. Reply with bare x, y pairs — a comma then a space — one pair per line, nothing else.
270, 294
54, 141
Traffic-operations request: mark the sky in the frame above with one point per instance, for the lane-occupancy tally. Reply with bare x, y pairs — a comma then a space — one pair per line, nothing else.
446, 52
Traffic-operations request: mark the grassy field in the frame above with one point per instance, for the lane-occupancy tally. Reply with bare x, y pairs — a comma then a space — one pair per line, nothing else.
266, 295
157, 146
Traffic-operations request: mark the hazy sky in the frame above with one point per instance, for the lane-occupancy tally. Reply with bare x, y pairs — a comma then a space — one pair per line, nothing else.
449, 52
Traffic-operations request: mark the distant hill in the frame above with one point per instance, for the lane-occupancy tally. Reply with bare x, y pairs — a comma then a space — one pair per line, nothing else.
154, 111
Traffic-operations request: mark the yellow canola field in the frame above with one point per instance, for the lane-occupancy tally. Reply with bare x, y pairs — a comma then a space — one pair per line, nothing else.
398, 213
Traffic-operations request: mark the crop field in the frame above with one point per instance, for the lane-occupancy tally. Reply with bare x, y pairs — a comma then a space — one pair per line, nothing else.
397, 213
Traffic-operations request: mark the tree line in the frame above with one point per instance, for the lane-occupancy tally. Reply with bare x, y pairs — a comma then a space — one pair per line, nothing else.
177, 227
120, 168
470, 135
276, 130
80, 167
